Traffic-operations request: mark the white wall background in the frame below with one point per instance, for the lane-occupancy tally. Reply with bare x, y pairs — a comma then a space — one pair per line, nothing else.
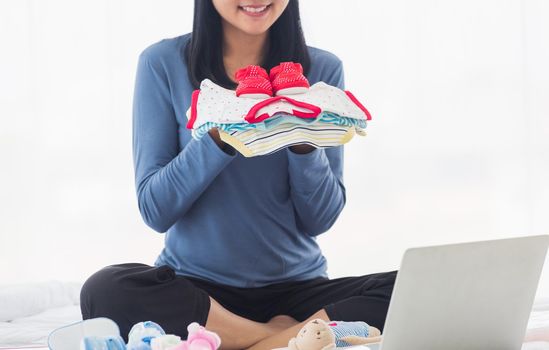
458, 149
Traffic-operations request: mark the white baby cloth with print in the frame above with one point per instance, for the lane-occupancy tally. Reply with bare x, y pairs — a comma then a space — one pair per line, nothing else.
213, 103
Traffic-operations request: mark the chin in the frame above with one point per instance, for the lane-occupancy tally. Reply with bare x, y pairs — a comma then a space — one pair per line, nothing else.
254, 30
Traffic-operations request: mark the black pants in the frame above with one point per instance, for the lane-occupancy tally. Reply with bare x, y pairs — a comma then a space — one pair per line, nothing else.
131, 293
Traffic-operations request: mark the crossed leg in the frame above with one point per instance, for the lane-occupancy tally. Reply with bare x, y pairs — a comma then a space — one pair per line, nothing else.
356, 298
282, 338
133, 292
237, 332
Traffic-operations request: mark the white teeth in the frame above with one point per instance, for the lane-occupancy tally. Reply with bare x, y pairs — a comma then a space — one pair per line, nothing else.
254, 9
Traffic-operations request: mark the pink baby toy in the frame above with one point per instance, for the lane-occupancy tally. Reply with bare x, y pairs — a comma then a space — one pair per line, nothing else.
199, 339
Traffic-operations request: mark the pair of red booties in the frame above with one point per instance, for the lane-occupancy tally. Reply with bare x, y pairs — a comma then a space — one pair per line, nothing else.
285, 79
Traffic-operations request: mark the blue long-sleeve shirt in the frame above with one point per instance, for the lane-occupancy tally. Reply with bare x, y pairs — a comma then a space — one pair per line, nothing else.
245, 222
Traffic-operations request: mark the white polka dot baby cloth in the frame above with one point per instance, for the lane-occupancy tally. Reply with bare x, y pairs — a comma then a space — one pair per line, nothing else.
213, 103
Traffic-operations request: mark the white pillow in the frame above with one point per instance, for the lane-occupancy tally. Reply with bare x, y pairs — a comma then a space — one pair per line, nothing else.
21, 300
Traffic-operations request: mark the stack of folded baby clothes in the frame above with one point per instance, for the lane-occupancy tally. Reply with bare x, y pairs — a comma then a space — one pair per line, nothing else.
255, 122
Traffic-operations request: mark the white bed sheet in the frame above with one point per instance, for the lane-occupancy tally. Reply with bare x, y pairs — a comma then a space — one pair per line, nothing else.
34, 330
29, 312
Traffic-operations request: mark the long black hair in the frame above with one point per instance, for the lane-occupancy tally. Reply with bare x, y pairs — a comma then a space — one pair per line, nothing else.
204, 51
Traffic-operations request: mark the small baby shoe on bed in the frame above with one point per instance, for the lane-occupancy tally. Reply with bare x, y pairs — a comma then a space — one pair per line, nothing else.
142, 333
165, 342
103, 343
70, 337
199, 338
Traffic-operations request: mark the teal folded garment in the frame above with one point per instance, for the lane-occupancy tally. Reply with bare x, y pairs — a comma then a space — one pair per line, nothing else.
324, 117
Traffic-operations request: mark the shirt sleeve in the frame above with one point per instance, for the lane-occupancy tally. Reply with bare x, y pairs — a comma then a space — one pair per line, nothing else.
316, 179
168, 180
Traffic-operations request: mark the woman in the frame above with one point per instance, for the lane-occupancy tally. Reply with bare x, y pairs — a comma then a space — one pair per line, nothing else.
240, 253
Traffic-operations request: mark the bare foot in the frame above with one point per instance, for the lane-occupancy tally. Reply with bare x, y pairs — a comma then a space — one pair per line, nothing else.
374, 332
282, 322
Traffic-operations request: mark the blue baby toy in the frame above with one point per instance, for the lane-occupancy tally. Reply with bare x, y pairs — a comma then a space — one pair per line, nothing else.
141, 335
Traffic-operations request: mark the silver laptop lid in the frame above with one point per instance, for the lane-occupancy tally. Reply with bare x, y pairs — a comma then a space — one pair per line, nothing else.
465, 296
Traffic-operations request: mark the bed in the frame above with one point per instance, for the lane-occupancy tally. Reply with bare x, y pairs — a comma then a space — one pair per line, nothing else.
29, 312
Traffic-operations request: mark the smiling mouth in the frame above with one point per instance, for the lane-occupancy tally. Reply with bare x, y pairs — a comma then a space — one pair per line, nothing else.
255, 8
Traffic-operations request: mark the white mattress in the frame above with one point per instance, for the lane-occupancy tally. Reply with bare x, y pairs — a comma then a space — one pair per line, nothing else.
28, 313
34, 330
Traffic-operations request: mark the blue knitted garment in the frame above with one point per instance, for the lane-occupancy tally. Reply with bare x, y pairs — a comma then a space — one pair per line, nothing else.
343, 329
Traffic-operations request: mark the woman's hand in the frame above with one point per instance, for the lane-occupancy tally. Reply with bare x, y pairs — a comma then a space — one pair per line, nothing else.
301, 149
215, 136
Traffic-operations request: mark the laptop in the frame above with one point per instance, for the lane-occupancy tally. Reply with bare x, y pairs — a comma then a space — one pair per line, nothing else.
464, 296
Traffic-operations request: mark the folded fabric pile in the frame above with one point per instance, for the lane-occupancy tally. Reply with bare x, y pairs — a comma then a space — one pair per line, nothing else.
255, 122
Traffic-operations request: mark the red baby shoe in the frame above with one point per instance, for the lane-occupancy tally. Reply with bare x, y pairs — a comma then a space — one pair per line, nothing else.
287, 79
253, 82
